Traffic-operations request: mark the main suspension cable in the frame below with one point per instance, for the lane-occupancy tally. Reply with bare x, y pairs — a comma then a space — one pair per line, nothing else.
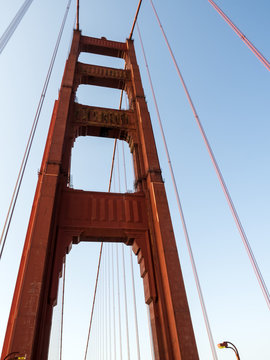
78, 15
181, 212
135, 19
255, 51
219, 174
30, 139
14, 24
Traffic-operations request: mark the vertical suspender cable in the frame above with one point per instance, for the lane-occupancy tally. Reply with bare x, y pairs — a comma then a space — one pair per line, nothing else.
181, 212
30, 139
125, 297
115, 143
132, 275
101, 295
99, 321
94, 299
135, 307
117, 267
109, 301
97, 329
118, 169
114, 181
123, 154
124, 267
105, 303
255, 51
103, 335
125, 171
119, 305
113, 302
149, 323
101, 247
112, 166
62, 311
14, 24
105, 349
95, 324
219, 174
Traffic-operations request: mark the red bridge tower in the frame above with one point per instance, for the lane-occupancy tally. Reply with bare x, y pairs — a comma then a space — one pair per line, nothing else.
62, 216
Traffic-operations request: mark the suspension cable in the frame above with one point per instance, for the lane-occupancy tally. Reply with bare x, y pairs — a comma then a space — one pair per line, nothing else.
110, 181
14, 24
219, 174
124, 161
30, 139
147, 306
135, 307
101, 246
109, 300
119, 305
98, 330
113, 302
255, 51
117, 268
181, 212
123, 154
135, 19
125, 298
124, 268
94, 299
118, 169
105, 304
78, 15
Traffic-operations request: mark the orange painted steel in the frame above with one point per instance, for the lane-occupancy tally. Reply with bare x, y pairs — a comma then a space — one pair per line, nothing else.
255, 51
62, 216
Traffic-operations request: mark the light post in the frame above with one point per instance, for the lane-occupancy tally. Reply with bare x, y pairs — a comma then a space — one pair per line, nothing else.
225, 344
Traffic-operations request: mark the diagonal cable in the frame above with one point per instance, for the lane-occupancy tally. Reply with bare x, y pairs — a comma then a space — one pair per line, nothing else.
30, 139
14, 24
218, 172
181, 212
249, 44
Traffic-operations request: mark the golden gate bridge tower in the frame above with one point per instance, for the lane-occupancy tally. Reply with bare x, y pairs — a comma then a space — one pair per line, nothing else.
62, 216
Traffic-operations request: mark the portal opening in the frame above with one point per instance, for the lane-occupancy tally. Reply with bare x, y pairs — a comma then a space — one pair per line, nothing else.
101, 60
100, 97
91, 163
114, 289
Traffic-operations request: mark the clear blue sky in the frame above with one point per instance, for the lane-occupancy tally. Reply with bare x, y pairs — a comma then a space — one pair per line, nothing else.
230, 89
